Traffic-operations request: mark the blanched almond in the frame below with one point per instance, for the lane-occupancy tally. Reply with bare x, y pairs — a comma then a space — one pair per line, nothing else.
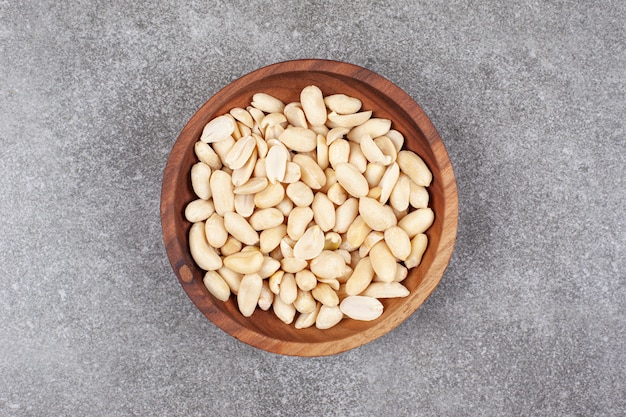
207, 155
376, 215
202, 253
216, 234
299, 139
362, 308
383, 261
417, 221
245, 262
218, 129
199, 210
200, 177
310, 245
398, 242
342, 104
267, 103
216, 285
413, 166
249, 293
313, 105
351, 180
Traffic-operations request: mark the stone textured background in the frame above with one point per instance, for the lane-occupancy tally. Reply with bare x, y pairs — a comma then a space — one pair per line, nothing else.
530, 100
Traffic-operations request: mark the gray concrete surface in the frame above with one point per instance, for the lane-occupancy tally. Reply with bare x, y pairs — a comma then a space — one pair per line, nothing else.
530, 100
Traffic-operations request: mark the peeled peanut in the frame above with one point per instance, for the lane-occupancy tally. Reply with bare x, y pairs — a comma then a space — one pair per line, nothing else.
413, 166
306, 280
396, 138
232, 278
328, 317
215, 231
285, 312
266, 218
270, 196
399, 197
345, 215
300, 193
310, 245
266, 298
216, 285
298, 220
267, 103
293, 264
398, 242
222, 190
325, 295
249, 293
244, 204
322, 152
200, 177
288, 290
202, 253
304, 302
377, 216
252, 186
240, 152
231, 246
349, 120
372, 152
269, 239
383, 261
306, 320
323, 211
386, 290
199, 210
342, 104
276, 163
299, 139
417, 221
269, 266
363, 308
372, 238
222, 147
218, 129
206, 154
351, 180
374, 127
328, 264
357, 158
245, 262
242, 116
295, 115
242, 175
357, 232
360, 278
418, 195
336, 133
418, 247
313, 105
388, 182
310, 173
338, 152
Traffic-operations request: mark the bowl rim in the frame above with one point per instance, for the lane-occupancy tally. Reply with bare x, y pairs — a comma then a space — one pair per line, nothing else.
177, 253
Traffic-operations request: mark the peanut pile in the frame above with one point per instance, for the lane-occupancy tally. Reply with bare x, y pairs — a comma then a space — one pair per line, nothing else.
312, 209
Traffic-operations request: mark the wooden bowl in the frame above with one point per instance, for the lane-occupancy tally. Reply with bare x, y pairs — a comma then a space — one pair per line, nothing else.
285, 81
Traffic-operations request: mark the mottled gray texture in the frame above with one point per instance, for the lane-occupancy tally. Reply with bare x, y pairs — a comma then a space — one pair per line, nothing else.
530, 317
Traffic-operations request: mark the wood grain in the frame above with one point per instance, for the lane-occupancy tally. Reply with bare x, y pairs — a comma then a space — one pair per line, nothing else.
285, 81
